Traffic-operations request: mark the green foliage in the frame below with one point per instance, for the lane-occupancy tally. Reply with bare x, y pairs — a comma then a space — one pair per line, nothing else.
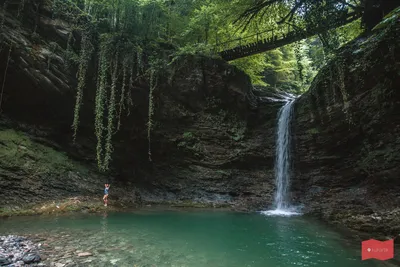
111, 113
153, 84
188, 135
254, 66
138, 40
289, 68
194, 49
84, 59
388, 19
313, 131
100, 104
18, 150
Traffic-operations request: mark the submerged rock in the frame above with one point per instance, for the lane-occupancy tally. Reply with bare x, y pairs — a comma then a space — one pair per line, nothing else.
4, 260
84, 254
18, 251
31, 257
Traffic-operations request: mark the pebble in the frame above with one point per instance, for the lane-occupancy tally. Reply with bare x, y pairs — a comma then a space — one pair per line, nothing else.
84, 254
17, 251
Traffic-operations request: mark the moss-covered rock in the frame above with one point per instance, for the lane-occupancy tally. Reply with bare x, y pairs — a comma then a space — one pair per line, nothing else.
17, 150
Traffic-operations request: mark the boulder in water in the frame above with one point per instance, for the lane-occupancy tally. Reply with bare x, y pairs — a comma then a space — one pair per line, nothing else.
31, 257
4, 260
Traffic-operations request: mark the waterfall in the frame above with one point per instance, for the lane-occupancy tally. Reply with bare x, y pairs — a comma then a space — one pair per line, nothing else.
283, 163
282, 157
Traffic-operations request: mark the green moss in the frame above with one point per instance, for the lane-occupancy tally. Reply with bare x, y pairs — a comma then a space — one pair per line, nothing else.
238, 130
17, 150
313, 131
188, 135
190, 142
388, 19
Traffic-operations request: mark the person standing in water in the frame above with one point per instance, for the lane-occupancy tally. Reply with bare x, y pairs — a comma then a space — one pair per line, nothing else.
105, 198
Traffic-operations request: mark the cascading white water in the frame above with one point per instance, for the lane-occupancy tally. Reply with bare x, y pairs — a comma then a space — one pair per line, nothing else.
283, 163
282, 157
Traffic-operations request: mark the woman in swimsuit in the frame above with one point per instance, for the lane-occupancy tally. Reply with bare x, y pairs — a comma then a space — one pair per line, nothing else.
105, 198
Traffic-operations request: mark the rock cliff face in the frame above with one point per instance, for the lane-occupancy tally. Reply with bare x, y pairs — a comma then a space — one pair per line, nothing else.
347, 130
212, 143
213, 140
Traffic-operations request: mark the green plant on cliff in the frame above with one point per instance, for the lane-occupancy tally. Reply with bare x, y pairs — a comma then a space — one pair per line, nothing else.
155, 68
18, 150
188, 135
125, 69
153, 84
100, 103
134, 40
111, 112
84, 59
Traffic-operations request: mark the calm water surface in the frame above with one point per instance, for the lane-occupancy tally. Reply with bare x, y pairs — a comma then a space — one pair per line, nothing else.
195, 238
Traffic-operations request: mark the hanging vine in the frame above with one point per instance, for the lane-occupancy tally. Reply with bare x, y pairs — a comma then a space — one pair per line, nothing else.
3, 17
122, 99
299, 59
36, 17
153, 84
332, 84
111, 115
84, 59
129, 101
21, 7
139, 65
100, 104
5, 76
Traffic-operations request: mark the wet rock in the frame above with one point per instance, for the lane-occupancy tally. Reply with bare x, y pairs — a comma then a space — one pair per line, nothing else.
18, 251
4, 261
31, 257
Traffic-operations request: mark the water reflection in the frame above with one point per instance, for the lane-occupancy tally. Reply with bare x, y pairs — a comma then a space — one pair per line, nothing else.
104, 223
195, 239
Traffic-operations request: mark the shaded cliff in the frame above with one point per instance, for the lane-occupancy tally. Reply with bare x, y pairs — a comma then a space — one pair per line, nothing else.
211, 143
347, 136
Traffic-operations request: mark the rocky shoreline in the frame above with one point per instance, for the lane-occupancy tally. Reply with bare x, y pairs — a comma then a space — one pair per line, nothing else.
39, 250
18, 251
